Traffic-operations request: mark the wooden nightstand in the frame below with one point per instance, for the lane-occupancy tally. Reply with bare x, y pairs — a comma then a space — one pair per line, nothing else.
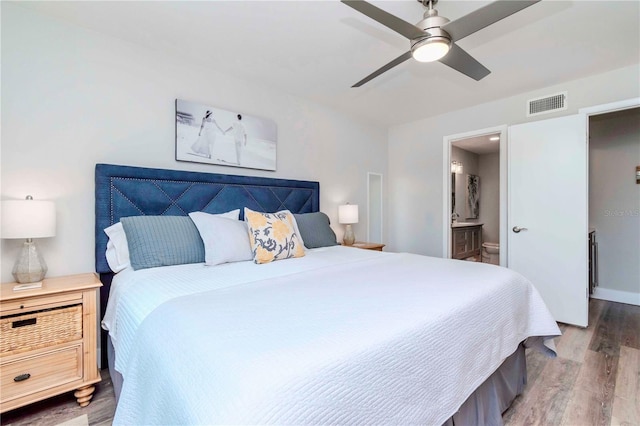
368, 246
49, 340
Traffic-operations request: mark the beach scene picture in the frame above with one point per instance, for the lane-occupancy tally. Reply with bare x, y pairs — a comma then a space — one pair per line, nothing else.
205, 134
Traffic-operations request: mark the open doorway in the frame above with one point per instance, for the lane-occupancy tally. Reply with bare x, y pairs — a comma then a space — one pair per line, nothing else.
475, 192
614, 205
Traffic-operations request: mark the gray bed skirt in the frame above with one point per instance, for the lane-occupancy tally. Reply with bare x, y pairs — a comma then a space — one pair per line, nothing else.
116, 377
492, 398
483, 408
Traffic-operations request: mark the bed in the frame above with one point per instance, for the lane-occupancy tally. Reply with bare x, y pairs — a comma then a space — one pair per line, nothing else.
335, 336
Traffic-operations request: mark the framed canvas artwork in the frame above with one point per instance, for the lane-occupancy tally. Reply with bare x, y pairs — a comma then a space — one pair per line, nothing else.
209, 135
473, 196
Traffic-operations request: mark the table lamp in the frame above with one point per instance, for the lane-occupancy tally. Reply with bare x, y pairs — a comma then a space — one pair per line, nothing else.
28, 219
347, 215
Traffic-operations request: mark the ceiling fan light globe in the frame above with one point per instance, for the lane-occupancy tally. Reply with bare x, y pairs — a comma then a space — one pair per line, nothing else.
430, 49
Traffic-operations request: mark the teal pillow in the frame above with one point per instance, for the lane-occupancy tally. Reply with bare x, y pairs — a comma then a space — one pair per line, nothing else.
315, 230
162, 241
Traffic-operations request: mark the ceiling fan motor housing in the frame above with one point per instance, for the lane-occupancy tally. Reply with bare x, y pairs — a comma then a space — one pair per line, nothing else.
431, 24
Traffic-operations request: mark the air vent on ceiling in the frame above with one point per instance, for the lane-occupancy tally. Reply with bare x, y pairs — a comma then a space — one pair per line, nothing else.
547, 104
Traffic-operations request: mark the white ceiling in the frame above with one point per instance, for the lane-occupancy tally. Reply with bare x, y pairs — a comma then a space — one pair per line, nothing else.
480, 145
318, 49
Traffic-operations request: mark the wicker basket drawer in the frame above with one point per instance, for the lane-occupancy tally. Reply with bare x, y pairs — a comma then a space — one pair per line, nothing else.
41, 372
39, 329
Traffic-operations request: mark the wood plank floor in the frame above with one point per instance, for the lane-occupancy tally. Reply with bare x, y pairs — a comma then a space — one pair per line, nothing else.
62, 408
595, 380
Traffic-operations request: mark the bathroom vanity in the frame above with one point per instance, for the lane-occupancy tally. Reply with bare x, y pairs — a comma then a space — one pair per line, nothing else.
466, 240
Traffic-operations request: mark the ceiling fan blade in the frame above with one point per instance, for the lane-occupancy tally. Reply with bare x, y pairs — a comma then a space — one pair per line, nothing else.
397, 61
461, 61
485, 16
385, 18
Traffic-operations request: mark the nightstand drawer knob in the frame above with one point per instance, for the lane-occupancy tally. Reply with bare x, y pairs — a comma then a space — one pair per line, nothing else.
22, 323
21, 377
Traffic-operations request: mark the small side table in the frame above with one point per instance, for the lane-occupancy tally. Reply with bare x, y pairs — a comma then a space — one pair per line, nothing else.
49, 340
368, 246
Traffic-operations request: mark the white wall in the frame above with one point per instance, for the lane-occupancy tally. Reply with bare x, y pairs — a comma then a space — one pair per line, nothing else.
415, 153
72, 98
489, 172
614, 198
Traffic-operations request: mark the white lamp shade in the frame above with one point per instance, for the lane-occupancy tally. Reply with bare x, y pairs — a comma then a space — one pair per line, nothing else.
28, 219
348, 213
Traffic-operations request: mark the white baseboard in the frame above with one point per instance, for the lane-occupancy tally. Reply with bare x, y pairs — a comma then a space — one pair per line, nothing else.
616, 296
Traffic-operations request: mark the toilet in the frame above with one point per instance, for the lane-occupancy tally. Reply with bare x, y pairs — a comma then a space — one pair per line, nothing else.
491, 253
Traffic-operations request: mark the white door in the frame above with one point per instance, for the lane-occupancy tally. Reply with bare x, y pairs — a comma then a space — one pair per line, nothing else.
548, 212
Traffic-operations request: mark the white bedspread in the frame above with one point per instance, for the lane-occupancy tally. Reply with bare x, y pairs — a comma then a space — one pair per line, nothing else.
343, 336
135, 294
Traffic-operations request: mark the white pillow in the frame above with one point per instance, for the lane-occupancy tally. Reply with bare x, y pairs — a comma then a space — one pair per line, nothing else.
225, 240
233, 214
297, 231
117, 248
117, 252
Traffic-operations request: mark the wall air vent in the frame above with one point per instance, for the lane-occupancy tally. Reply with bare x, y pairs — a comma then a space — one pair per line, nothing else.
547, 104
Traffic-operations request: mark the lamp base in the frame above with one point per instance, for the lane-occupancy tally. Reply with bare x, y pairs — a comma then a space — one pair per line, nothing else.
30, 266
349, 237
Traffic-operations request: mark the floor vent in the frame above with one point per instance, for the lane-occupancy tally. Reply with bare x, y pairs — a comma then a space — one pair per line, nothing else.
547, 104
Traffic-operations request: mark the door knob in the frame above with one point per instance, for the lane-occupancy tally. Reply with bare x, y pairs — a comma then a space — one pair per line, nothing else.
517, 229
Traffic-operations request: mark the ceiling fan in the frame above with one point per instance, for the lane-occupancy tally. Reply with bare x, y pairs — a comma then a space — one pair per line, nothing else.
433, 38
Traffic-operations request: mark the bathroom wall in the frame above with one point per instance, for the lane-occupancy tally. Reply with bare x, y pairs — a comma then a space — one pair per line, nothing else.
489, 172
614, 202
469, 162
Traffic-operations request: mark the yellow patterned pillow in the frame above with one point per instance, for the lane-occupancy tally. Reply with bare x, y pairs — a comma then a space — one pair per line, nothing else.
273, 236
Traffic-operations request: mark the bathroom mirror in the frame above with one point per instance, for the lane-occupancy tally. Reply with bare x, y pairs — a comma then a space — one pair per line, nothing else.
456, 169
453, 193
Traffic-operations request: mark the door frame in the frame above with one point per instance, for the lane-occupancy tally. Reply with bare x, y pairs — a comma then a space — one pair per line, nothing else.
610, 107
610, 295
446, 196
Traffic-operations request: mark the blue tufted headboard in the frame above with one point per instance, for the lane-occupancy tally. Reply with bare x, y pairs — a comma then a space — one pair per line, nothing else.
133, 191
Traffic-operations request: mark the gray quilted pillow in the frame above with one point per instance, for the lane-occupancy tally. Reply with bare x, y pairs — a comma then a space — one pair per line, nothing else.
162, 241
315, 230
